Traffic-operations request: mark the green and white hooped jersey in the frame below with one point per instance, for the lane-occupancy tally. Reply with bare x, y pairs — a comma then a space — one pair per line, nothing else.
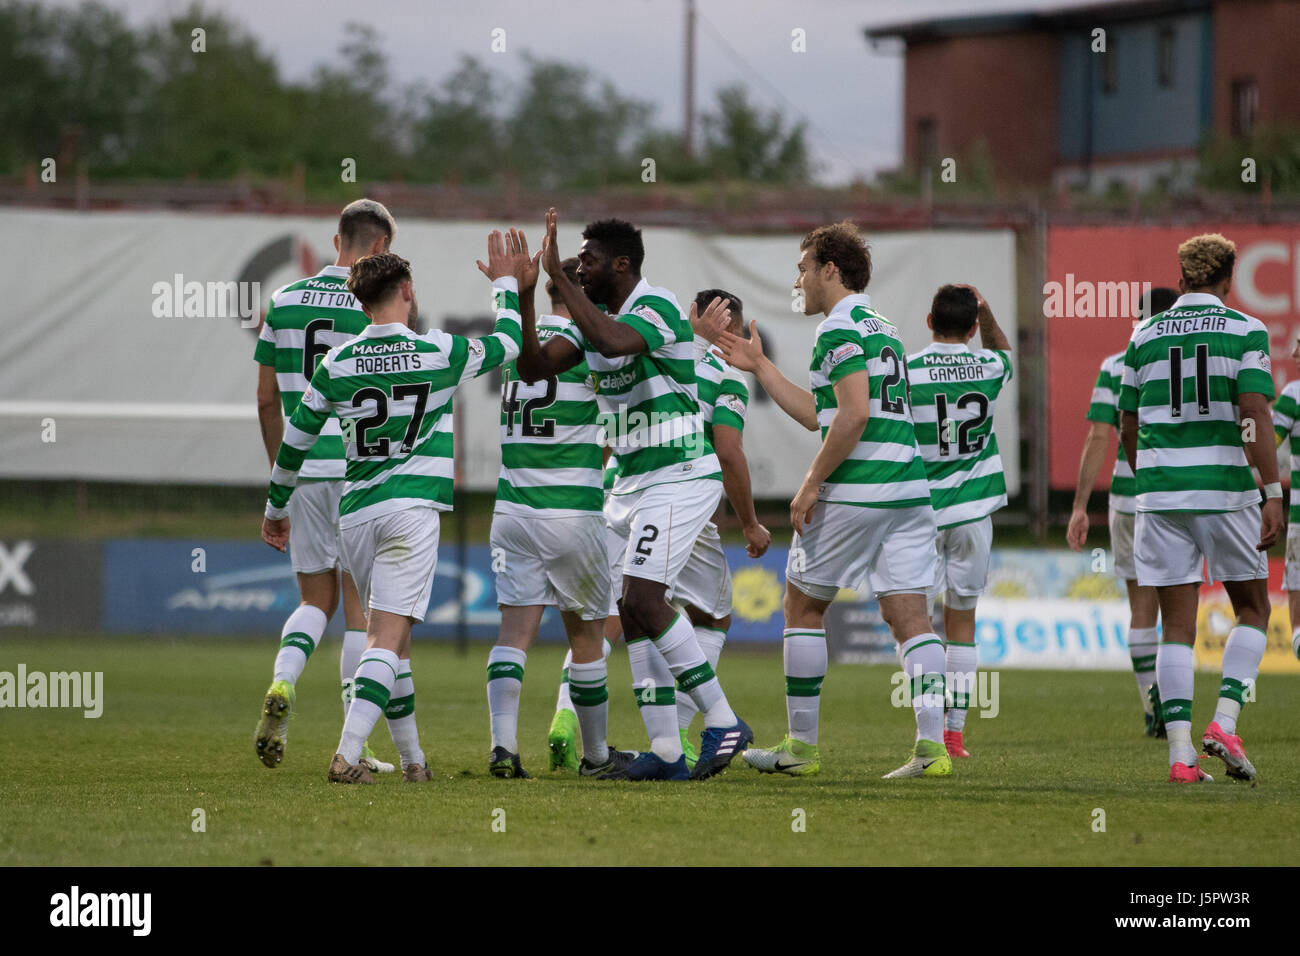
550, 441
1286, 422
611, 472
304, 320
724, 397
955, 384
1104, 407
392, 390
1183, 373
649, 404
885, 469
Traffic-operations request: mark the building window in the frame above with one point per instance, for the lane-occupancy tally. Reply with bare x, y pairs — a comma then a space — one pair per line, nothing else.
1245, 106
1165, 56
927, 142
1110, 66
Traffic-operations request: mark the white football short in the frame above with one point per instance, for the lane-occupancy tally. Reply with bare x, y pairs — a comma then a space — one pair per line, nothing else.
705, 581
1291, 576
963, 563
891, 549
556, 562
1121, 544
314, 527
1169, 547
392, 559
615, 547
659, 526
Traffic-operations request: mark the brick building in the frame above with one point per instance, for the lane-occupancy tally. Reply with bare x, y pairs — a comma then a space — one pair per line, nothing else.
1034, 92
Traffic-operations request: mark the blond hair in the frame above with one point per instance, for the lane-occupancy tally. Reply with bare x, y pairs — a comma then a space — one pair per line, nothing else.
1206, 259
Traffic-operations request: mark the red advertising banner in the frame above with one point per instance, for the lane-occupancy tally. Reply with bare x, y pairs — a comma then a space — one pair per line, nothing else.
1095, 277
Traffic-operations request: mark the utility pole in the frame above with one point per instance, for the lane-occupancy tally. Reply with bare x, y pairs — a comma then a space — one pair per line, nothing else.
688, 139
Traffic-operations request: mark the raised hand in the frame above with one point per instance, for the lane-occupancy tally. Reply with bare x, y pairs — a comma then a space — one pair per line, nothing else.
551, 247
716, 318
744, 354
500, 263
524, 267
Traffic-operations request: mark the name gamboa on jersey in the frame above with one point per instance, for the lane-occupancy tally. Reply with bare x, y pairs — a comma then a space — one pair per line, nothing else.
1286, 422
649, 404
885, 469
1183, 372
392, 390
953, 384
304, 320
724, 397
550, 440
1104, 407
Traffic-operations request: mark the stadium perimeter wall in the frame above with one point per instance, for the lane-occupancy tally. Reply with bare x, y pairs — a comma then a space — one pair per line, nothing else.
1046, 609
90, 339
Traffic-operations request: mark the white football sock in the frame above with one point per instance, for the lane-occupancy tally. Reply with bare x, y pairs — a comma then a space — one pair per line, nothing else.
804, 653
1241, 656
1143, 644
401, 718
694, 675
300, 636
962, 660
354, 645
591, 703
711, 640
1176, 676
376, 675
652, 682
505, 673
923, 662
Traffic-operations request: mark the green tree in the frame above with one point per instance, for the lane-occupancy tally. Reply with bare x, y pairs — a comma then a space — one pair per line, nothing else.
458, 134
567, 129
744, 142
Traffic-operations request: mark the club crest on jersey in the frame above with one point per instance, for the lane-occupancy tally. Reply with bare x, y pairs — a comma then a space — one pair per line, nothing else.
651, 316
842, 352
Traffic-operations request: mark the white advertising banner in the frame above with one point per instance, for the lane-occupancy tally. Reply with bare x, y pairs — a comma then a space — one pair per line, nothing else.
127, 338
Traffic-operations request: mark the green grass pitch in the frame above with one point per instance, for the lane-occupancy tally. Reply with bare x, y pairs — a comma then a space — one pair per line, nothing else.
177, 735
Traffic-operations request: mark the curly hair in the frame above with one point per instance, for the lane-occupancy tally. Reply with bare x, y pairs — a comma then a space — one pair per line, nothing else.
1207, 259
842, 244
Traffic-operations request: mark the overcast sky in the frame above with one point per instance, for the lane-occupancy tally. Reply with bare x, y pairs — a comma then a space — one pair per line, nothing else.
850, 95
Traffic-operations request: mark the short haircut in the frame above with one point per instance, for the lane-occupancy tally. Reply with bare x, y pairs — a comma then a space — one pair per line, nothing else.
375, 278
703, 298
364, 221
1158, 300
1206, 260
570, 268
842, 244
618, 238
954, 311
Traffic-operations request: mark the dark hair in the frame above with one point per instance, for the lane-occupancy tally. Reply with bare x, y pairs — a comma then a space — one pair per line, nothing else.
1159, 299
618, 238
842, 244
954, 311
374, 278
364, 221
703, 298
570, 268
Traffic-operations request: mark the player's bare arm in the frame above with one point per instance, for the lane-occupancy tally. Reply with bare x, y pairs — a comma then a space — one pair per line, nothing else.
728, 445
1094, 453
268, 411
607, 336
853, 409
747, 355
1254, 409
